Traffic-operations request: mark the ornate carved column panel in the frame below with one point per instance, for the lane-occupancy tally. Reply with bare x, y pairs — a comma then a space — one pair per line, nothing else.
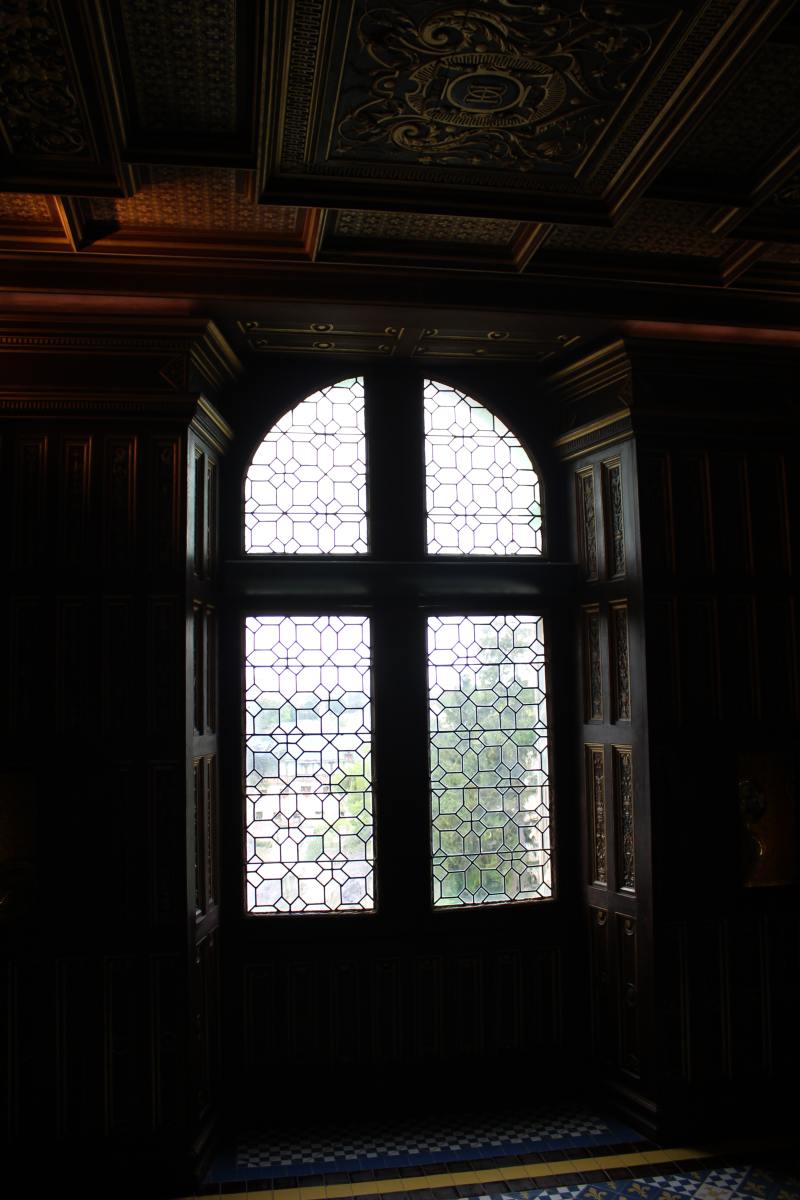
599, 451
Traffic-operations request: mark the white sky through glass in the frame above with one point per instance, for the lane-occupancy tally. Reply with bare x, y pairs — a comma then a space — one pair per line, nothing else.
482, 490
305, 491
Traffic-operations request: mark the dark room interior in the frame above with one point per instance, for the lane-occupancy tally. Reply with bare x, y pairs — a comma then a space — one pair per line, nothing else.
581, 221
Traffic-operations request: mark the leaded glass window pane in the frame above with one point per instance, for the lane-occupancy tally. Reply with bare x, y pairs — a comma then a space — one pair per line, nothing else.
305, 491
482, 491
489, 767
308, 764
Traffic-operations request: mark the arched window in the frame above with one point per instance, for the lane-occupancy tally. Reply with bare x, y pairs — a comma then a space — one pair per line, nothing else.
395, 675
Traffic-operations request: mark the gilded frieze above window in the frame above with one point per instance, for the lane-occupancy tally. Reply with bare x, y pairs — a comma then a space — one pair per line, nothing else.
526, 87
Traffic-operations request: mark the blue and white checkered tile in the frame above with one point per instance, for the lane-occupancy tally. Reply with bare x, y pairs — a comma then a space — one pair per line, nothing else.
678, 1185
380, 1145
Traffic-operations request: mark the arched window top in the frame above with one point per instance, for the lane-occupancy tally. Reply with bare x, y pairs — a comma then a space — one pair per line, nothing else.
482, 491
305, 490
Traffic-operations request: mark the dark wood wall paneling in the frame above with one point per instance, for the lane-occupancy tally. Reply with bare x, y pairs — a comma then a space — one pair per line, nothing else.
100, 1033
720, 498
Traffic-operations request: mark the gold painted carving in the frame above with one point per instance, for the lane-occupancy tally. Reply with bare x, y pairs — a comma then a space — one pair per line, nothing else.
504, 85
322, 337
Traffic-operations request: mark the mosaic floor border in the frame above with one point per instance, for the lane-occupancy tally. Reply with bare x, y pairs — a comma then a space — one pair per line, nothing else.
671, 1173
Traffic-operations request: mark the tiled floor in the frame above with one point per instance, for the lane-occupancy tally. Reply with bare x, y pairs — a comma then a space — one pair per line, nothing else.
279, 1153
561, 1153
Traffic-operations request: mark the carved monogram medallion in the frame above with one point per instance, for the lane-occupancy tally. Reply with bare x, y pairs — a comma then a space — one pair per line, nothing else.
525, 86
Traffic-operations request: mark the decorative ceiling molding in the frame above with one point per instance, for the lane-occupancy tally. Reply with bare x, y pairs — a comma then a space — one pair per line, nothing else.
412, 240
395, 341
382, 341
538, 112
495, 344
176, 354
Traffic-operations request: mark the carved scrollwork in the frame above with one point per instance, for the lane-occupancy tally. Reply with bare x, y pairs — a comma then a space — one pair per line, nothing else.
596, 789
38, 101
587, 523
505, 85
623, 778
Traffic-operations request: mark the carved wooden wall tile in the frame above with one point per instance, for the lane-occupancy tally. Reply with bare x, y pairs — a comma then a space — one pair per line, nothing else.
598, 817
619, 657
622, 771
587, 520
592, 664
614, 513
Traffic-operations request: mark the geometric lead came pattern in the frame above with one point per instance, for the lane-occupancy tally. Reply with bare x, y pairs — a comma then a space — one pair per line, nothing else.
489, 781
305, 491
483, 493
308, 750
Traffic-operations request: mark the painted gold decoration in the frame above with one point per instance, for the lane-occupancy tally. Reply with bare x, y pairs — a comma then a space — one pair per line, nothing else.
198, 199
38, 95
495, 343
423, 227
17, 208
380, 340
499, 85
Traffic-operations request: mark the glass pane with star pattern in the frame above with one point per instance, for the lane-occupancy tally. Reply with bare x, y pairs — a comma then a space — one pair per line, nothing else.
305, 490
308, 764
482, 491
489, 759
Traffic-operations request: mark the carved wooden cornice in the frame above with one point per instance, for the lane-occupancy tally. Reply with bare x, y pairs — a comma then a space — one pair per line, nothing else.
52, 355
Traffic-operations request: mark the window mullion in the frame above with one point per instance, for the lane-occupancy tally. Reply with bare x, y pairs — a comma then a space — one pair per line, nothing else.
401, 766
395, 464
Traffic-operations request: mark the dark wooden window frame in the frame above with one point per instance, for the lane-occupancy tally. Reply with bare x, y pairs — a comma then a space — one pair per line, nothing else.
397, 585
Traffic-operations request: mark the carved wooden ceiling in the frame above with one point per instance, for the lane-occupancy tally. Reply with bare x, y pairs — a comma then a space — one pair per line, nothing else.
293, 163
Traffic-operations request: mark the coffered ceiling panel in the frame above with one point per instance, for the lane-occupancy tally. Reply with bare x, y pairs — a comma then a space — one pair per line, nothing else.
653, 227
178, 208
30, 222
726, 157
56, 129
187, 78
419, 227
524, 110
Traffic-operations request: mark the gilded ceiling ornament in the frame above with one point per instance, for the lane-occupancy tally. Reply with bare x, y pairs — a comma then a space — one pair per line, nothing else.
518, 85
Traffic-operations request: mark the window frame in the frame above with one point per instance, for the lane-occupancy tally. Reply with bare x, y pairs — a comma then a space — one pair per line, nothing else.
367, 584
